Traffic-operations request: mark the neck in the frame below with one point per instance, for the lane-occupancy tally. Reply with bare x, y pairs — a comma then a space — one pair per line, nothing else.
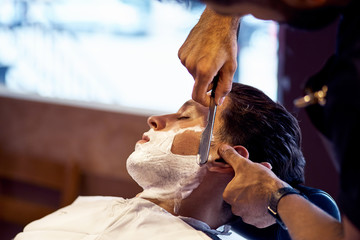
206, 203
210, 212
167, 204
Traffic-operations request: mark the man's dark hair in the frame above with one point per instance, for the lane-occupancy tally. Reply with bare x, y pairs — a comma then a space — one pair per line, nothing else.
266, 129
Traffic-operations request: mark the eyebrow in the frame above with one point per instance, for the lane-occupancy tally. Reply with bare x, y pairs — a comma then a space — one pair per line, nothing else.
189, 103
192, 106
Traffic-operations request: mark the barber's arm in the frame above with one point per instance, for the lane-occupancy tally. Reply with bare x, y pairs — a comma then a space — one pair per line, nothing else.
249, 195
211, 48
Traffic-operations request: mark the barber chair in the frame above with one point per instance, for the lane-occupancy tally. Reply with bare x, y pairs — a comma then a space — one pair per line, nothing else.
31, 188
318, 197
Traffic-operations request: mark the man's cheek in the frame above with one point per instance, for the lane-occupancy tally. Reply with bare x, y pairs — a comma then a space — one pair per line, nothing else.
186, 143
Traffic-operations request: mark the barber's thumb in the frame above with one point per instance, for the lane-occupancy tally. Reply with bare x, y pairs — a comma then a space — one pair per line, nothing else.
230, 154
266, 164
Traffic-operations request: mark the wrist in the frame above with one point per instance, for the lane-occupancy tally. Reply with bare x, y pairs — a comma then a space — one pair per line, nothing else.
275, 199
221, 20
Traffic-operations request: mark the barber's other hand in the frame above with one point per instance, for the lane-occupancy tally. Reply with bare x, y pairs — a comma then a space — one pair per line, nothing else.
211, 48
249, 191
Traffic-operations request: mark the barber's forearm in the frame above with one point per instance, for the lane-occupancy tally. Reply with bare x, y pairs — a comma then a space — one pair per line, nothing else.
226, 22
306, 221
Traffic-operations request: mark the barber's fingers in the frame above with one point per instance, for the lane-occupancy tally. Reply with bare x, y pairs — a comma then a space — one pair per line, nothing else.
266, 164
203, 83
203, 69
188, 59
226, 76
238, 157
233, 157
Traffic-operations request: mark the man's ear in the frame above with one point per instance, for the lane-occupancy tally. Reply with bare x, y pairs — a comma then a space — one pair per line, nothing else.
221, 166
242, 151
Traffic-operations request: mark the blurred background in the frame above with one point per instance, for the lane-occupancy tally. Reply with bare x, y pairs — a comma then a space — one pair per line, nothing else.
78, 79
117, 52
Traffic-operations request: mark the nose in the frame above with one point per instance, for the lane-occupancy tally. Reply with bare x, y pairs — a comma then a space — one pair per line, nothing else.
156, 122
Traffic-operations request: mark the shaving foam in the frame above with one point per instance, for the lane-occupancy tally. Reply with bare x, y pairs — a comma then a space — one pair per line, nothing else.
162, 174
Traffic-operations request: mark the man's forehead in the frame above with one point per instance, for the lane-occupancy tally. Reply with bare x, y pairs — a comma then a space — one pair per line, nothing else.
190, 103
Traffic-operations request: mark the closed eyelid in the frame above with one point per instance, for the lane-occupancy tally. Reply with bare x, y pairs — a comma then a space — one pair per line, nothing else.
188, 110
183, 117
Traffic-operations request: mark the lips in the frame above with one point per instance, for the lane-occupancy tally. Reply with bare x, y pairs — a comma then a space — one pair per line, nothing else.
144, 139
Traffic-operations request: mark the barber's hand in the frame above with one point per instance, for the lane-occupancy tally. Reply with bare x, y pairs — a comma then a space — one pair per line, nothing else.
211, 48
249, 191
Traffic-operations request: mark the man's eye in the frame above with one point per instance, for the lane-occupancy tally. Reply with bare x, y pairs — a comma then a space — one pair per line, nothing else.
183, 117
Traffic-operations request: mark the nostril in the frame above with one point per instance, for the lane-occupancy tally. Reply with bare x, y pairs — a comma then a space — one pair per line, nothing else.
157, 122
152, 122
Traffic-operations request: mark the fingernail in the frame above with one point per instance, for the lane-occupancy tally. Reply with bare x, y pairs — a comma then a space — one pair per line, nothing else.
224, 147
221, 100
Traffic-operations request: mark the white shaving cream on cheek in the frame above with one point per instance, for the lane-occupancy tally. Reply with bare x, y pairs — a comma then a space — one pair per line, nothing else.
162, 174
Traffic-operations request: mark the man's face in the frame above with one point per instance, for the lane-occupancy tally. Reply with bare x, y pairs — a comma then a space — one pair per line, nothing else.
190, 115
165, 162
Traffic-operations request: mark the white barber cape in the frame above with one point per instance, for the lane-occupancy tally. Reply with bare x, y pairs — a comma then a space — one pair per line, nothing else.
110, 218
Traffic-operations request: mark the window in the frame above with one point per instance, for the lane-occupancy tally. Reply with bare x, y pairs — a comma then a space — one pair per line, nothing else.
116, 52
